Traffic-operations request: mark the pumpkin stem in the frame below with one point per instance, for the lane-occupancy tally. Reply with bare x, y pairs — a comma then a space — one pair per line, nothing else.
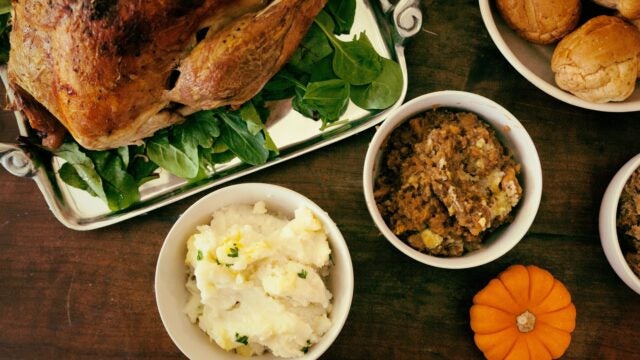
526, 322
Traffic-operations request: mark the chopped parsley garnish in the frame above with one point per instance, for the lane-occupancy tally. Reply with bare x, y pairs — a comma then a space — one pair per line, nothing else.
233, 252
302, 274
242, 339
199, 256
306, 348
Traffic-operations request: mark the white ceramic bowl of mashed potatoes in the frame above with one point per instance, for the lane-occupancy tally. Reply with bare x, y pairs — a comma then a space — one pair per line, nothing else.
509, 132
271, 282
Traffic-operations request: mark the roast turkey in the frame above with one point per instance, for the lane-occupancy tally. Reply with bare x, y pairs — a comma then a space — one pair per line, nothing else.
112, 72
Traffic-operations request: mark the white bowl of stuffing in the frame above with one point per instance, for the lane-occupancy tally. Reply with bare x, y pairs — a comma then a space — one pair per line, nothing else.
254, 270
452, 179
620, 223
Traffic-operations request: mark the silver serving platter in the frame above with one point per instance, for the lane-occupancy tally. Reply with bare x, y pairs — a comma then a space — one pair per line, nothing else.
387, 25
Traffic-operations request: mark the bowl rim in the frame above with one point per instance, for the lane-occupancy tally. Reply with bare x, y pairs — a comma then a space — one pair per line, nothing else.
270, 193
533, 172
550, 89
607, 224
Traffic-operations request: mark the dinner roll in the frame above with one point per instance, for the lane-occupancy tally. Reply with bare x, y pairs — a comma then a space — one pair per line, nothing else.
540, 21
629, 9
599, 61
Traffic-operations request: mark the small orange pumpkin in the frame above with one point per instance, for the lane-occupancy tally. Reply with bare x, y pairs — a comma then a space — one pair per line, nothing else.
525, 313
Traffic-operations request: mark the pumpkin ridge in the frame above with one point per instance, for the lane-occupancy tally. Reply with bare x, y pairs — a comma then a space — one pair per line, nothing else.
505, 302
551, 326
479, 321
545, 346
558, 292
531, 290
533, 344
492, 332
509, 292
529, 349
513, 344
547, 323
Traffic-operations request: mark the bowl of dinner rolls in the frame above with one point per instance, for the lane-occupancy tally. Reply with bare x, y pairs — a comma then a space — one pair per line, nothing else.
585, 53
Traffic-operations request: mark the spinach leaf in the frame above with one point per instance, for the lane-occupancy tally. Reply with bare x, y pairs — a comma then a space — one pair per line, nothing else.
5, 17
303, 107
222, 158
176, 150
343, 13
70, 151
356, 61
70, 176
249, 114
5, 6
280, 87
325, 23
383, 92
171, 157
323, 70
187, 141
314, 47
200, 129
120, 187
141, 167
123, 152
329, 98
255, 122
249, 148
219, 147
269, 144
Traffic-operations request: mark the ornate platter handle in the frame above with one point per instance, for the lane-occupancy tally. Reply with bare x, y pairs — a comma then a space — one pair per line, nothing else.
16, 161
406, 15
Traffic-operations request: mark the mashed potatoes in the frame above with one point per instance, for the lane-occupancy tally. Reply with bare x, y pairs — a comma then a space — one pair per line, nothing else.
256, 280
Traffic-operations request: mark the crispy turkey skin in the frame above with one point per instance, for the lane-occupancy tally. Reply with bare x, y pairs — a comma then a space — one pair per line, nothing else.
112, 72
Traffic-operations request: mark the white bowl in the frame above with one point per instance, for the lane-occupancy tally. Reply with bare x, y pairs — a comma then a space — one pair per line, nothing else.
512, 135
171, 272
607, 224
534, 63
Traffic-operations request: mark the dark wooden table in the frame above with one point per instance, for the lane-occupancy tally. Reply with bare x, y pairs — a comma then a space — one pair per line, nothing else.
68, 294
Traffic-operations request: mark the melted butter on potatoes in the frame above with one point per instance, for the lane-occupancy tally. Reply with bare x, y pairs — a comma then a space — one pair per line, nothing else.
257, 280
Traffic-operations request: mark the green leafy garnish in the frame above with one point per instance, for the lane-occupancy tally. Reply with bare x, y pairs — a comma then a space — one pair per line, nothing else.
305, 349
355, 61
314, 47
182, 163
303, 274
242, 339
247, 147
383, 91
84, 169
233, 252
343, 12
5, 16
199, 256
120, 187
106, 174
329, 99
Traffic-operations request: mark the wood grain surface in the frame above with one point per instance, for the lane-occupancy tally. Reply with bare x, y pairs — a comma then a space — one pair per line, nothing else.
89, 295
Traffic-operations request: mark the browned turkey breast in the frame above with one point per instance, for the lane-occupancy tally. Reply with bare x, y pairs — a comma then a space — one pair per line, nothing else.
113, 72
